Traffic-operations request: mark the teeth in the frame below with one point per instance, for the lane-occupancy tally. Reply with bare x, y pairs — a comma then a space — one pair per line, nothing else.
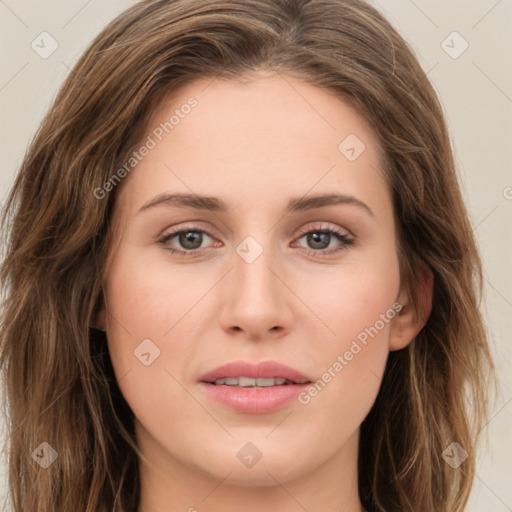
246, 382
243, 382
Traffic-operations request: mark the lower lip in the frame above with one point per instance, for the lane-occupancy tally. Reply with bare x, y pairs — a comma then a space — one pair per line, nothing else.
253, 400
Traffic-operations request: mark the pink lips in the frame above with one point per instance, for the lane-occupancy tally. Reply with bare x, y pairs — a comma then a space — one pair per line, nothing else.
254, 400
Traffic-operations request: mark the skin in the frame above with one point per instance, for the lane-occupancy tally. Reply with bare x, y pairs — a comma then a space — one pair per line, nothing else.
255, 146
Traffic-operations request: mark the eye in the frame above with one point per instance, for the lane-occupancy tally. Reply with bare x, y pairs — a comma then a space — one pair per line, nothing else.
320, 238
189, 238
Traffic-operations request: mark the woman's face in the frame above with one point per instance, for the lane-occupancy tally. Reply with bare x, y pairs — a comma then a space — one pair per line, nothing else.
247, 283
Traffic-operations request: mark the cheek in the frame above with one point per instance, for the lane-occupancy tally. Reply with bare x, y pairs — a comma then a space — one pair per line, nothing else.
149, 300
356, 310
145, 302
351, 298
154, 316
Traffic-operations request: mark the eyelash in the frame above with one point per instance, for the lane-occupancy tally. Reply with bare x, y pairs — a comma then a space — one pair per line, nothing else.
345, 240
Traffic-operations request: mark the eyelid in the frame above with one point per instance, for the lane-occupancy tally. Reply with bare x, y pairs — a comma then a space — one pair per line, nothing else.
187, 226
324, 226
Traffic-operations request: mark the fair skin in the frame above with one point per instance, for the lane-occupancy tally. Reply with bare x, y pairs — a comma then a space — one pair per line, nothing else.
254, 146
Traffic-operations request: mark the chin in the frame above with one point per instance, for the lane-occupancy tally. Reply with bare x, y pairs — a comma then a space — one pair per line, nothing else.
266, 469
260, 475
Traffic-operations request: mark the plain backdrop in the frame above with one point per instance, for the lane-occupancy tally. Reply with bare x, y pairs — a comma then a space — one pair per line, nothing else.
472, 72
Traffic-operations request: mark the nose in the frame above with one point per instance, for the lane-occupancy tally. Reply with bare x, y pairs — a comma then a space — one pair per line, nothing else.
257, 300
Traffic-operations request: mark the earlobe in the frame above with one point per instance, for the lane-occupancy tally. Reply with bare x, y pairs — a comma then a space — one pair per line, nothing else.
410, 321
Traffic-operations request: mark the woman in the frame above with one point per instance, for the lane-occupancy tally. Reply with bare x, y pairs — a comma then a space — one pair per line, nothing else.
240, 271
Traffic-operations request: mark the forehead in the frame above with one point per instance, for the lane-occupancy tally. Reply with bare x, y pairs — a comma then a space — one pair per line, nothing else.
242, 140
265, 111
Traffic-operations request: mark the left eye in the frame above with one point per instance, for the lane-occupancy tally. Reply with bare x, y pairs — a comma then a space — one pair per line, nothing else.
191, 239
321, 239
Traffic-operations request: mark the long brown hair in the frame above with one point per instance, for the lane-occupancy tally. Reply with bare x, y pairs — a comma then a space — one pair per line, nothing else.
59, 383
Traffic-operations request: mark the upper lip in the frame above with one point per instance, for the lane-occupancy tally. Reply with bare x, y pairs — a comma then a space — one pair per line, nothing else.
263, 369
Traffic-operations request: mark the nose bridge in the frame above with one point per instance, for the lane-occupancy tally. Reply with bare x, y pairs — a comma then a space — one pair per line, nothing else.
258, 300
254, 259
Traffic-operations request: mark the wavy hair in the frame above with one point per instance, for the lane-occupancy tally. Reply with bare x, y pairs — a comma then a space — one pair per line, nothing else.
57, 376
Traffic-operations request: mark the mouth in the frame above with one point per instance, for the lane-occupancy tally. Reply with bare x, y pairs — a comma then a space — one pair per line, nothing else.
254, 388
254, 383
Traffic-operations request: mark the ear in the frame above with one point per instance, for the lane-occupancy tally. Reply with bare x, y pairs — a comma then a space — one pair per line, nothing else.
410, 321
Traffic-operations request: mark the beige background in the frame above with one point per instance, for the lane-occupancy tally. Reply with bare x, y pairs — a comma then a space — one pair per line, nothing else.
475, 89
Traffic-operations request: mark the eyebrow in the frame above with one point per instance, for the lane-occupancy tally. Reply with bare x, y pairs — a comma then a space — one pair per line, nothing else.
215, 204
